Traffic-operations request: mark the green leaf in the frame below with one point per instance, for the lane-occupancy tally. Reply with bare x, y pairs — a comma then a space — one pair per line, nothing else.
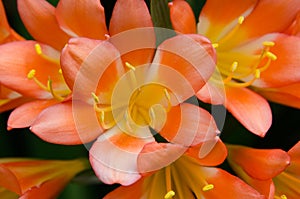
160, 14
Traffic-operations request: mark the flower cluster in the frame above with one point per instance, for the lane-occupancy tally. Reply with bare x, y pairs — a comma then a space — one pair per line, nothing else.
132, 94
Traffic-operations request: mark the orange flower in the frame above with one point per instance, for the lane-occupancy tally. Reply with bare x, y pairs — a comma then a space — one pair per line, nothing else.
132, 87
32, 68
31, 178
287, 184
189, 177
258, 166
251, 55
9, 99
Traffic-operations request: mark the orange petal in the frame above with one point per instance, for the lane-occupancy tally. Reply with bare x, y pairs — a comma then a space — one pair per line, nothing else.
294, 153
4, 27
214, 157
8, 180
13, 103
58, 125
261, 164
263, 20
182, 17
155, 156
227, 185
129, 14
284, 70
216, 18
17, 59
126, 191
294, 28
250, 109
190, 57
212, 93
286, 95
23, 116
188, 124
120, 164
73, 56
39, 19
78, 18
43, 174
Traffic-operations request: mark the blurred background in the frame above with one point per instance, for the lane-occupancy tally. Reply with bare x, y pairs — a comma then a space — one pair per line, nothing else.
284, 133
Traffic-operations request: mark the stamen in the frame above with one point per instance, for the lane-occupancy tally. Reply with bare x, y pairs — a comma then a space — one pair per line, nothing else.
268, 43
103, 123
169, 195
233, 68
283, 197
208, 187
240, 21
167, 94
50, 88
60, 71
38, 50
271, 56
95, 97
215, 45
128, 65
31, 75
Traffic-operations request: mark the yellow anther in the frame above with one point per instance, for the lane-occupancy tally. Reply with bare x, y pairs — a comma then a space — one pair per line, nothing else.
169, 195
257, 73
96, 98
234, 66
241, 19
283, 197
31, 74
60, 71
130, 66
208, 187
271, 56
268, 43
215, 45
38, 49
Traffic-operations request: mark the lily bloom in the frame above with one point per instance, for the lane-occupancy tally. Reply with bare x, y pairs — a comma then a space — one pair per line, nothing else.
189, 177
36, 64
253, 55
258, 167
287, 183
32, 178
131, 90
9, 99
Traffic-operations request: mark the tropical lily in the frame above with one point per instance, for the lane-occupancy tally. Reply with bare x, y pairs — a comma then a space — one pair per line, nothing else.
287, 184
189, 177
37, 64
119, 95
258, 166
9, 99
252, 55
33, 178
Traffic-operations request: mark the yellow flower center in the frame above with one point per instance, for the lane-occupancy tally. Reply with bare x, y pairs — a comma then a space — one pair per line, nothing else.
138, 105
244, 69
